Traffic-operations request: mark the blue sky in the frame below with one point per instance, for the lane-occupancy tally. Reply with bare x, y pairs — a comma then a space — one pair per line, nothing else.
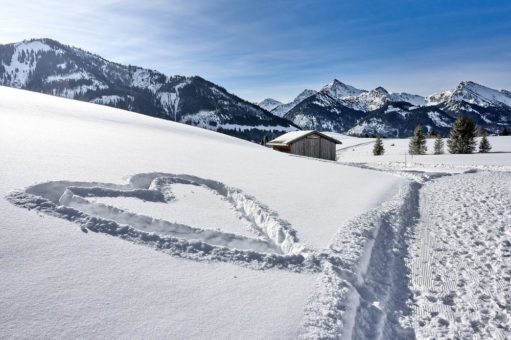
260, 49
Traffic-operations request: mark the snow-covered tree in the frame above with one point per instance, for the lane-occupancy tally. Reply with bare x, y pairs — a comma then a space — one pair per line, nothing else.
439, 145
484, 144
378, 148
417, 144
462, 136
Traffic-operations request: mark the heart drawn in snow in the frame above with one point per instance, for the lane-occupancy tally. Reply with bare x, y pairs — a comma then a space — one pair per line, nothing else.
275, 243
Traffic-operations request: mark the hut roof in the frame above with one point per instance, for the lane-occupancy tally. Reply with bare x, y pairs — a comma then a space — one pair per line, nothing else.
293, 136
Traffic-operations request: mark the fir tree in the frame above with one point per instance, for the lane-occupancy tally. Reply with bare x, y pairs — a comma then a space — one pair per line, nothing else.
417, 144
504, 132
484, 144
462, 136
439, 145
378, 149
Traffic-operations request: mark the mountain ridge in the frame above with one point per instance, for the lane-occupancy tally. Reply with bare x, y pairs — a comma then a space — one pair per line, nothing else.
47, 66
383, 113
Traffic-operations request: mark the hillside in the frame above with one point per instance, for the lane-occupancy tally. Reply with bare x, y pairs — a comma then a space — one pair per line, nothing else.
47, 66
243, 253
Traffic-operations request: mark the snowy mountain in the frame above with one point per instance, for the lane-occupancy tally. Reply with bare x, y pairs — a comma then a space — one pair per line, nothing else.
408, 97
47, 66
489, 108
472, 93
339, 90
367, 100
281, 110
379, 112
269, 104
324, 113
399, 119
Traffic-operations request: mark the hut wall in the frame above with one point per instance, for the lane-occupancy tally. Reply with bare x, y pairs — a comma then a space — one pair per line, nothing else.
314, 146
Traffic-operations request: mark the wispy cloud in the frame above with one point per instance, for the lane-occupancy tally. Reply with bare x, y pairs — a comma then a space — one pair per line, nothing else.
276, 48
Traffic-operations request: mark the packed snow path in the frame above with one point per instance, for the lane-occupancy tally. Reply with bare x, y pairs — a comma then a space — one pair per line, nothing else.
460, 258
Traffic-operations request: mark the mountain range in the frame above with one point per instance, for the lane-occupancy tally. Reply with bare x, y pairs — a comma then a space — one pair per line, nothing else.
47, 66
343, 108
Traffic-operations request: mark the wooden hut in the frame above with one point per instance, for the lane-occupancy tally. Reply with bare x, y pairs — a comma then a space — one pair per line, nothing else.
306, 143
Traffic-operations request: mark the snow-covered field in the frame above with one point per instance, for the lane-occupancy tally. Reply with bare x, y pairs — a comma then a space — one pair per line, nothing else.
86, 256
396, 155
114, 224
458, 255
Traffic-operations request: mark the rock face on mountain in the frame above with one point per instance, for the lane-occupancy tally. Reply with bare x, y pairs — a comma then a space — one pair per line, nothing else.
343, 108
47, 66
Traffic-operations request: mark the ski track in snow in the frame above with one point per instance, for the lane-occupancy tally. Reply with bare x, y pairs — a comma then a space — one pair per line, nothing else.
430, 263
361, 294
348, 282
460, 258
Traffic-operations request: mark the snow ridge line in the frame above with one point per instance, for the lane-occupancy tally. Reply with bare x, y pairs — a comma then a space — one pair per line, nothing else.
279, 248
361, 283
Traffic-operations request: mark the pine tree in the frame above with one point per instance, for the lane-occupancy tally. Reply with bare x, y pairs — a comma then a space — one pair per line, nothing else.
417, 144
439, 145
462, 136
378, 149
504, 132
484, 145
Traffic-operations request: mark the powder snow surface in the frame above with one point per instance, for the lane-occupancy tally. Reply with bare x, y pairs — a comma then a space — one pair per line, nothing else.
115, 224
396, 155
65, 279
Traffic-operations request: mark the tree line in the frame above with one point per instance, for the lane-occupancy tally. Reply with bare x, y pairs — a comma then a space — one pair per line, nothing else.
461, 140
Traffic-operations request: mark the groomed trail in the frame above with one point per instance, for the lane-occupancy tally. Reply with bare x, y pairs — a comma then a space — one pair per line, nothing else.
460, 258
438, 265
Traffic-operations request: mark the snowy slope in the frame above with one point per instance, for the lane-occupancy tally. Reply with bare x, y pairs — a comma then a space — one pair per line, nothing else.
70, 273
47, 66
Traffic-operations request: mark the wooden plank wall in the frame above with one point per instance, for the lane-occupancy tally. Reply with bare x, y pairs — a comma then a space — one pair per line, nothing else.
314, 146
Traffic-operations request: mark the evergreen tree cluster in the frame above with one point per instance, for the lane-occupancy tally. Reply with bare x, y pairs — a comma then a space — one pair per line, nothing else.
462, 139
